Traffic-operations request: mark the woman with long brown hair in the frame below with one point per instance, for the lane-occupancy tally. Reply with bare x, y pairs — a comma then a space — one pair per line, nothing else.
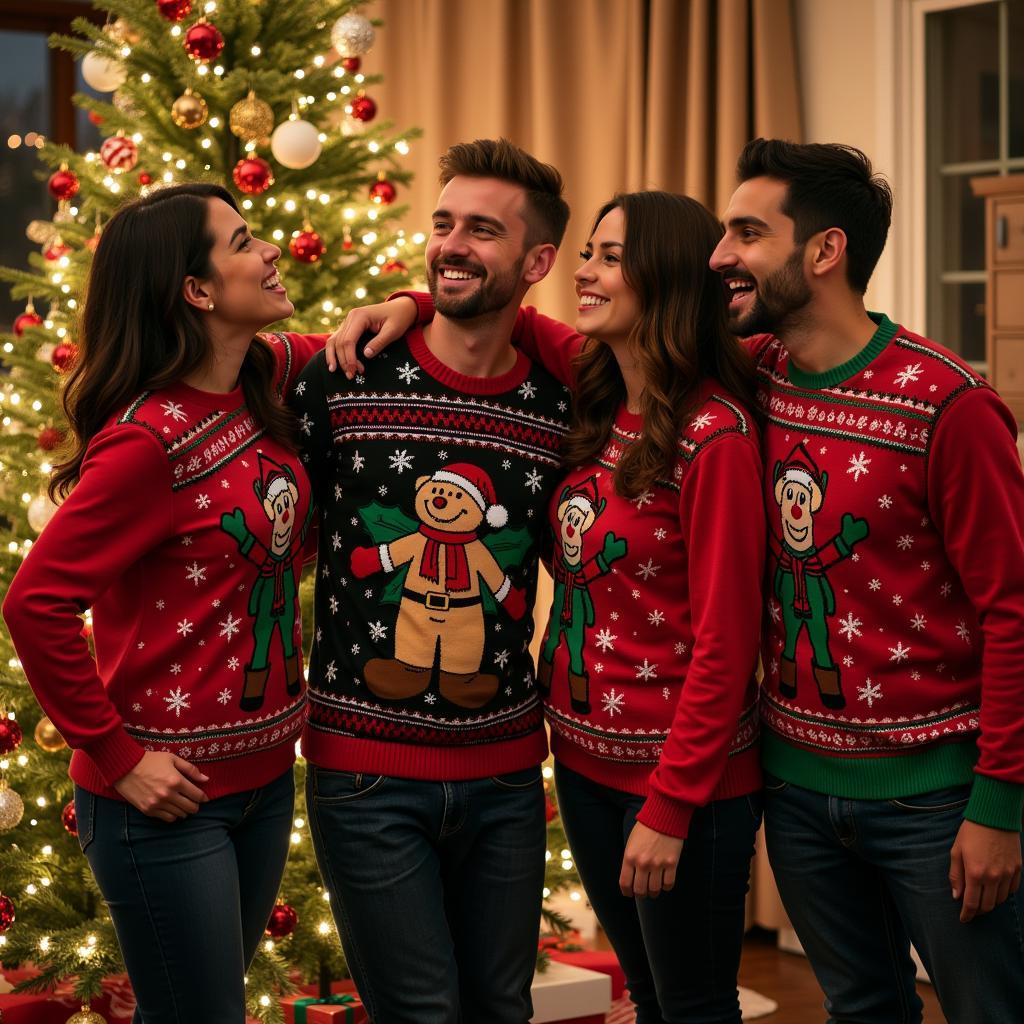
658, 535
183, 525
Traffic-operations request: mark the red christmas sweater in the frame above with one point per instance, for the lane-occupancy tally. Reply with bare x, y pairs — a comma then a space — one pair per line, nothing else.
895, 635
185, 536
655, 620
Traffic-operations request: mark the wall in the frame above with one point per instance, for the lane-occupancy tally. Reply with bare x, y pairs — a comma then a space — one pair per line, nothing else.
852, 91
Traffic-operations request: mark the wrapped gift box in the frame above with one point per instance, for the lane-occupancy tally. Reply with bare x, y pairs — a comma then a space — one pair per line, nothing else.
566, 993
337, 1008
116, 1004
603, 961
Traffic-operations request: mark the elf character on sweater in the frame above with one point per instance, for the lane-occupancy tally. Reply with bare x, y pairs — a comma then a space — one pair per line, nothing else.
573, 608
801, 582
272, 603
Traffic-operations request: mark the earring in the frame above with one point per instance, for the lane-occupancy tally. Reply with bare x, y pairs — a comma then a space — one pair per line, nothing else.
210, 307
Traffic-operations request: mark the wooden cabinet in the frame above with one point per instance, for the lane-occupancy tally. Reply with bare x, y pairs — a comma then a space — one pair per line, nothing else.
1004, 289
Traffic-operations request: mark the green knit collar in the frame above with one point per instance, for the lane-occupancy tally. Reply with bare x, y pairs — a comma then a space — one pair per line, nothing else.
830, 378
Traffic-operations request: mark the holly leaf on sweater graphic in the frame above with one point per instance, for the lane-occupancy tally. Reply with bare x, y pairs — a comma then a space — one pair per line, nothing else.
508, 546
385, 523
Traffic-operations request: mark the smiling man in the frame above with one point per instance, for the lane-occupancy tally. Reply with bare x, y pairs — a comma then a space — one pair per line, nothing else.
425, 732
892, 699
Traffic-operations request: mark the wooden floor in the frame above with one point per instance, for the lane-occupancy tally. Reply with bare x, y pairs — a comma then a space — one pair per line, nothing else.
788, 979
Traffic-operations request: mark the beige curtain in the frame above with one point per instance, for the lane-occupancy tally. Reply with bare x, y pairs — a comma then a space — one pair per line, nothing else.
618, 94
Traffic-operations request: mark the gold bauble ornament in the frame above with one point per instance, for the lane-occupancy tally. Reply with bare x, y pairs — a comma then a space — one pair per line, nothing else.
11, 807
124, 104
352, 35
86, 1016
42, 232
121, 32
189, 110
251, 119
47, 737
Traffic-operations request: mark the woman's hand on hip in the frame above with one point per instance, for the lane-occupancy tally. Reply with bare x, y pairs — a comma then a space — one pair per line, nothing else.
163, 786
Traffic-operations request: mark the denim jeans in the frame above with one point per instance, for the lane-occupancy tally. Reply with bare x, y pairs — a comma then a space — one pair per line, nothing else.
681, 950
189, 899
862, 879
435, 889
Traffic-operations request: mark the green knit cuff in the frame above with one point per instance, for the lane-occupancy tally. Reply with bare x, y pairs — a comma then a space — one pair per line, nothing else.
996, 804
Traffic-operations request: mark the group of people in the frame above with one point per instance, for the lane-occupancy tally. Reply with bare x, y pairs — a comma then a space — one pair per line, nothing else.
834, 498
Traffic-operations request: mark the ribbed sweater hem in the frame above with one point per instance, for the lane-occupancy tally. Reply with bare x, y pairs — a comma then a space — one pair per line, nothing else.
742, 775
234, 775
409, 761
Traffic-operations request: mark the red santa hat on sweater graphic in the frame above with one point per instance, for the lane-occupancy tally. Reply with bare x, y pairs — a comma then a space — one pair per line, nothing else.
478, 485
800, 468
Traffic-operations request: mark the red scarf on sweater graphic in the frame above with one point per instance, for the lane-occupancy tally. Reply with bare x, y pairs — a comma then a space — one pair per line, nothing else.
456, 565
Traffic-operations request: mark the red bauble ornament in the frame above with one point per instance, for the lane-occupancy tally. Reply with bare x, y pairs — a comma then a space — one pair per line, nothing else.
174, 10
6, 912
307, 246
93, 241
145, 178
119, 153
351, 64
283, 920
30, 318
394, 267
382, 192
70, 818
10, 735
253, 175
63, 184
57, 250
550, 810
95, 118
363, 108
203, 41
49, 438
63, 356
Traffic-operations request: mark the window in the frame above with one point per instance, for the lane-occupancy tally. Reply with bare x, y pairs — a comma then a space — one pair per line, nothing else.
36, 84
974, 96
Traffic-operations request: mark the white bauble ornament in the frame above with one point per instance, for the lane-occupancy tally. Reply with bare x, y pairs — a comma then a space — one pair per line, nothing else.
352, 35
40, 512
102, 73
295, 144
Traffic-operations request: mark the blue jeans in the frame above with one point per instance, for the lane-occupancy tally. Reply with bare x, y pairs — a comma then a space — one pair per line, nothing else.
680, 951
189, 899
435, 889
862, 879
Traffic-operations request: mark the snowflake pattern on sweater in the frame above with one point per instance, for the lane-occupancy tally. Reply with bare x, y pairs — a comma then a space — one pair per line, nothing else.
193, 588
431, 487
873, 643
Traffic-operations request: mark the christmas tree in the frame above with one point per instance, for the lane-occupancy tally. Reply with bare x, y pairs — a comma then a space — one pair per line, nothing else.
269, 99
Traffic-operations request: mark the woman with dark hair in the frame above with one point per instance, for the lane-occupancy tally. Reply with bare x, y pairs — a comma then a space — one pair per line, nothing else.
647, 667
183, 526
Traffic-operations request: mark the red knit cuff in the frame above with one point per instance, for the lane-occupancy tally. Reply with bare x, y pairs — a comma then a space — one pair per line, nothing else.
114, 754
424, 305
669, 817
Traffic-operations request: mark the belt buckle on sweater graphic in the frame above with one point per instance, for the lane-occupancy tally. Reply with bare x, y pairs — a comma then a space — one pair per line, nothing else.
572, 608
801, 582
272, 599
445, 579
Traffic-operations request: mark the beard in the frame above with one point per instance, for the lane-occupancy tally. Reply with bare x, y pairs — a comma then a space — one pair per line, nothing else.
783, 294
493, 293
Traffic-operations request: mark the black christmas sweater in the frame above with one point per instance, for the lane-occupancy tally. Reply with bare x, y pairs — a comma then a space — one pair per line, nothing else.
432, 488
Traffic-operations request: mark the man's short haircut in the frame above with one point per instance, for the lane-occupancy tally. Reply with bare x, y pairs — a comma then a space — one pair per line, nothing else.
828, 185
546, 212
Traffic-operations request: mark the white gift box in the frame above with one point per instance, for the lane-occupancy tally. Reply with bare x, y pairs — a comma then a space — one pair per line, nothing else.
565, 991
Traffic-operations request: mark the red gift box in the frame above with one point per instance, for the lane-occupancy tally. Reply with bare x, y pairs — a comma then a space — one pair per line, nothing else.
346, 1007
116, 1004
